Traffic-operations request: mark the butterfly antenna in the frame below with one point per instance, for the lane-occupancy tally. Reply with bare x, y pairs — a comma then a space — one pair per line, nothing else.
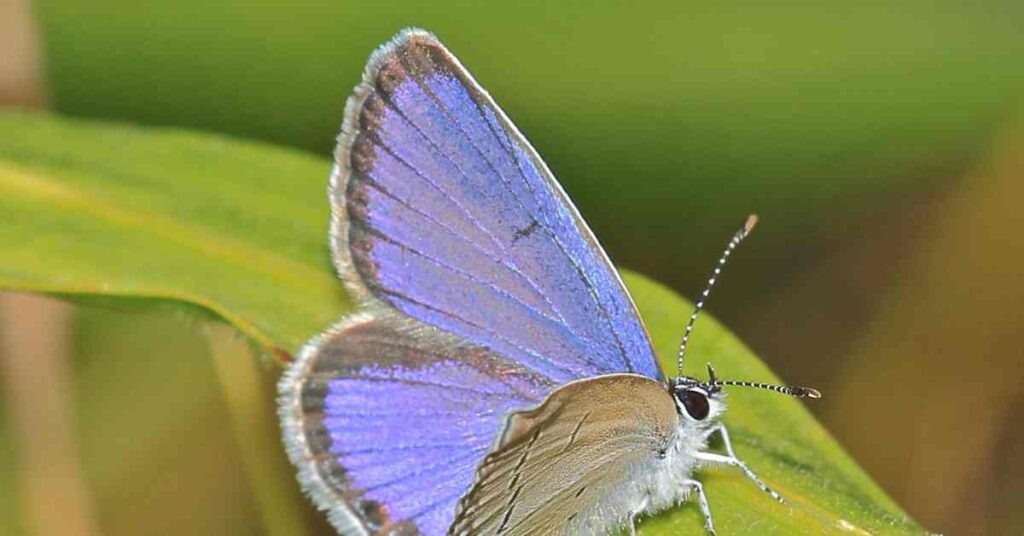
736, 239
792, 390
714, 384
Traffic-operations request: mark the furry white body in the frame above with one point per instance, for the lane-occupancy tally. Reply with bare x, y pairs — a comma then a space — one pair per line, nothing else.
654, 485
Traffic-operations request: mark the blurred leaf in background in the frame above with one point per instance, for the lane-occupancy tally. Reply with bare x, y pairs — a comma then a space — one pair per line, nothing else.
662, 119
155, 438
154, 448
950, 333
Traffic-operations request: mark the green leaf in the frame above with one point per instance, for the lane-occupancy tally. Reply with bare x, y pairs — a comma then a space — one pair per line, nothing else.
238, 229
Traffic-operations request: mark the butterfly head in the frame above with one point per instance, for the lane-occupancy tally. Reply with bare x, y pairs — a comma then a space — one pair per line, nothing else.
696, 403
702, 400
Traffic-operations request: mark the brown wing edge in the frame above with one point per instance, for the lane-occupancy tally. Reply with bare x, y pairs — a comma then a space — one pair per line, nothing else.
341, 172
321, 477
307, 442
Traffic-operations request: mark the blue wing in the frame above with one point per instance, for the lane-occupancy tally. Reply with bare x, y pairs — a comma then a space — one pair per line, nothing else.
484, 292
388, 419
446, 213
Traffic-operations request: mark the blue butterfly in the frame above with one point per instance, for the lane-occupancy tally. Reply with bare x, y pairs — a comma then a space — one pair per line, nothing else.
498, 379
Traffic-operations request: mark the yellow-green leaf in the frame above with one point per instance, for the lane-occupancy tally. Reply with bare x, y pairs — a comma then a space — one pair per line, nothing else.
239, 229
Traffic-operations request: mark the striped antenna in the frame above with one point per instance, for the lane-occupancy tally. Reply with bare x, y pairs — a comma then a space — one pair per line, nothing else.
736, 239
792, 390
714, 384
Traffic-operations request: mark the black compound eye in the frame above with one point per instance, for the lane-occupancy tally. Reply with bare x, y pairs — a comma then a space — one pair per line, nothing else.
695, 402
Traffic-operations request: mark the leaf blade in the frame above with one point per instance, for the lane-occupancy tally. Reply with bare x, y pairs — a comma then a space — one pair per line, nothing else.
239, 229
124, 237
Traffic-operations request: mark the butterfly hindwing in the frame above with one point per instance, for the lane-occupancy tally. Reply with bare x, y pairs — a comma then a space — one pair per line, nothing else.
388, 419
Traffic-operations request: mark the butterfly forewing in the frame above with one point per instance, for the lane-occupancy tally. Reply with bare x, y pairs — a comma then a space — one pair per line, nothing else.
445, 212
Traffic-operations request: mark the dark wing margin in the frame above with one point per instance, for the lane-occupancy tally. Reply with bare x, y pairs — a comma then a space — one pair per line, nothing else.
443, 211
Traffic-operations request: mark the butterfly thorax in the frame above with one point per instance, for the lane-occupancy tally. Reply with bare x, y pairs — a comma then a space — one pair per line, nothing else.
662, 482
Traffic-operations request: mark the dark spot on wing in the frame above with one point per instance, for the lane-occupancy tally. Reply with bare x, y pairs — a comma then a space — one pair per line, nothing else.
372, 512
390, 75
370, 120
526, 231
361, 157
356, 202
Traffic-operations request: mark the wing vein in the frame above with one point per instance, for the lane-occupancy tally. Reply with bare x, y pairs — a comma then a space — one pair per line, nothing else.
422, 383
560, 245
375, 139
504, 180
517, 346
425, 470
469, 243
387, 102
561, 326
404, 447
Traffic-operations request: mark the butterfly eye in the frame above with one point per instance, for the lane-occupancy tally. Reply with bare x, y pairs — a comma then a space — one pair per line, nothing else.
695, 402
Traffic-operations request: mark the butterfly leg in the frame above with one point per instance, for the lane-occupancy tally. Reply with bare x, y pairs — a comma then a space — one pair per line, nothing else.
702, 502
731, 460
635, 513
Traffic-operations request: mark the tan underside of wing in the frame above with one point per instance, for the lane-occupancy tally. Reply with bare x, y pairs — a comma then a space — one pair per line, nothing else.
565, 456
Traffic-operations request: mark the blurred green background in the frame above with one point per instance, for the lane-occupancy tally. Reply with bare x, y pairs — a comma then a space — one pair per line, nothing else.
882, 143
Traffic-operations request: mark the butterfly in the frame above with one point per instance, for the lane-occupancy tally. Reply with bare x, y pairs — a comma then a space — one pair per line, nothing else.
498, 378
